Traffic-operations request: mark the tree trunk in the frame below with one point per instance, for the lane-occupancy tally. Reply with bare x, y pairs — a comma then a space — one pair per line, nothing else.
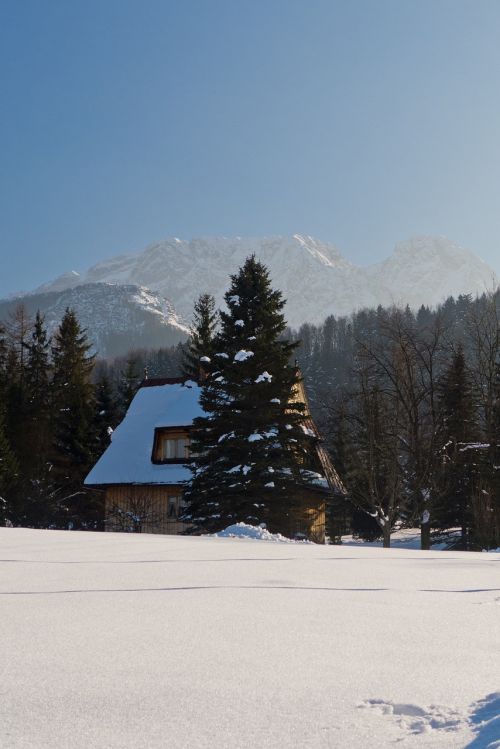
386, 530
425, 536
465, 539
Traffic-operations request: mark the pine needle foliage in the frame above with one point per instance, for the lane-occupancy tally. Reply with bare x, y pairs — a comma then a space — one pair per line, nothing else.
130, 380
459, 439
201, 339
75, 440
491, 537
8, 472
251, 448
107, 412
38, 375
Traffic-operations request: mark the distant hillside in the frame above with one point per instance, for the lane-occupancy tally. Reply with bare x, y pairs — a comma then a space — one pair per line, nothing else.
117, 317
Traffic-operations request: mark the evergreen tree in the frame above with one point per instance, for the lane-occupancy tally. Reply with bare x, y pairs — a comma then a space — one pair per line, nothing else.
130, 379
107, 412
73, 416
38, 365
494, 467
38, 370
459, 439
8, 475
3, 363
36, 481
15, 408
19, 327
486, 506
16, 394
201, 340
251, 448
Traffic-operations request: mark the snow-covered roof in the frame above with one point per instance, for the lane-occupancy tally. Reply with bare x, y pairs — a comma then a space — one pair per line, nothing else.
127, 460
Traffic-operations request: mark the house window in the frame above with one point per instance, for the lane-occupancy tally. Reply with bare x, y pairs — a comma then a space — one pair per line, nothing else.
175, 504
174, 448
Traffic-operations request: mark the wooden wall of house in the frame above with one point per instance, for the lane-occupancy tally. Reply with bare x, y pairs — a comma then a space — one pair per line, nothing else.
310, 518
148, 504
316, 522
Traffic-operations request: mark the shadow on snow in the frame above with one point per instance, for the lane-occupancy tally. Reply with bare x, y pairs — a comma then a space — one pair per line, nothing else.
485, 723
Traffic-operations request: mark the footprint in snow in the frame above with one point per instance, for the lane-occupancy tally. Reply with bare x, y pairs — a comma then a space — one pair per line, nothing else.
483, 719
415, 719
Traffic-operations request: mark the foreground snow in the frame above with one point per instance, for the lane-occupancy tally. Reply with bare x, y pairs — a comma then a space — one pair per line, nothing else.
111, 640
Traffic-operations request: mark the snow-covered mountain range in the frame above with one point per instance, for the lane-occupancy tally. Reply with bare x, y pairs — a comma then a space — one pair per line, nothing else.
314, 277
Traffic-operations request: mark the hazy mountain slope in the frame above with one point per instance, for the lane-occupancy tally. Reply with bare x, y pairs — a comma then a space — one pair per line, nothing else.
117, 317
429, 269
181, 270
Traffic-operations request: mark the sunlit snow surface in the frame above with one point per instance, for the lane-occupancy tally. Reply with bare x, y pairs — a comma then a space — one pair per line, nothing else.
257, 533
141, 641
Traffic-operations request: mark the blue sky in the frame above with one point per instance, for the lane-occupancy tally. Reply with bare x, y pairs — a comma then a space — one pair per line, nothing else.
359, 122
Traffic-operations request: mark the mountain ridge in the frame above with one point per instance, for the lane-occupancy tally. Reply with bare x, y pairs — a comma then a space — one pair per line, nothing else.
146, 298
315, 277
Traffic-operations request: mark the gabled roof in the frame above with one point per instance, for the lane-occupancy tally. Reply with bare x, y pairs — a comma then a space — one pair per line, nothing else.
127, 460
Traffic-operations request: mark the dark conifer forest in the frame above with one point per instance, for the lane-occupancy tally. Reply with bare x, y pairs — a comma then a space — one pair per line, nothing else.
408, 403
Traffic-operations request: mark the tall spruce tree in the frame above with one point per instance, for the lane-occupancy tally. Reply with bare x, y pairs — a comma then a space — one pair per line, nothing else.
459, 475
73, 416
18, 330
8, 462
251, 447
130, 379
3, 363
38, 373
494, 541
201, 340
487, 505
107, 412
8, 476
37, 483
15, 406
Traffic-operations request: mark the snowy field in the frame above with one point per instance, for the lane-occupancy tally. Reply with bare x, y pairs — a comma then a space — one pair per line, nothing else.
111, 640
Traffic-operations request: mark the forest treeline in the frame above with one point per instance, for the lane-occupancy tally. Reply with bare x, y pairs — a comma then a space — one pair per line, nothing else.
409, 404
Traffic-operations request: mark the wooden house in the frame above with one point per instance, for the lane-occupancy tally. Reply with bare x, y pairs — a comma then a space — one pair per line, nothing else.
144, 469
